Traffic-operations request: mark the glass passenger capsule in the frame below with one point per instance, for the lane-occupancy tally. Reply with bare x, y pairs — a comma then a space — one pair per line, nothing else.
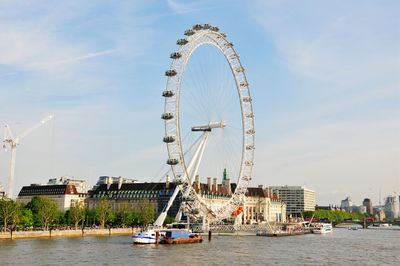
168, 93
169, 139
175, 55
167, 116
172, 161
170, 73
189, 32
247, 99
182, 42
198, 27
250, 131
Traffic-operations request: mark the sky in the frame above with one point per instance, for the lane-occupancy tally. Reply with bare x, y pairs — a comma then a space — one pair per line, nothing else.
324, 78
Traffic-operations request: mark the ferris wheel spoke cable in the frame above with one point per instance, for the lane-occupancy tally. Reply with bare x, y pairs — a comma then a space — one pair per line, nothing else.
165, 166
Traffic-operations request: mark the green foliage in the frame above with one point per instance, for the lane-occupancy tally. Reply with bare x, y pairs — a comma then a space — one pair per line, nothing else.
145, 212
124, 215
60, 218
9, 210
90, 216
135, 217
45, 211
25, 217
104, 211
169, 220
42, 211
334, 215
76, 214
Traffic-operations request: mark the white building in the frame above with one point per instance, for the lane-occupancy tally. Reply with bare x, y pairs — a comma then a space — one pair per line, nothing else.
66, 196
297, 198
346, 204
260, 207
392, 206
80, 185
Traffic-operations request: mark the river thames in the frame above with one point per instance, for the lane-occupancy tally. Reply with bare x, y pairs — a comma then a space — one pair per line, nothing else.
342, 247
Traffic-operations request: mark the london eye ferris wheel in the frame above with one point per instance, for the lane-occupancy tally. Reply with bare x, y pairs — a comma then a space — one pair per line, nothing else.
209, 119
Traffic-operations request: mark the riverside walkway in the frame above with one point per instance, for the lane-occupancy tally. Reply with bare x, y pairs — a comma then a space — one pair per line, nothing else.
66, 233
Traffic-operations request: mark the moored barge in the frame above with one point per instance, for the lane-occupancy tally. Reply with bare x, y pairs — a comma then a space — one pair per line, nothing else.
180, 237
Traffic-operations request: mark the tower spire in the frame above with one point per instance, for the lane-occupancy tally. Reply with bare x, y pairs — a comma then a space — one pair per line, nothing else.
224, 176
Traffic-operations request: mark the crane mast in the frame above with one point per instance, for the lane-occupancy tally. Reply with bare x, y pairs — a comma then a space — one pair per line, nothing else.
14, 142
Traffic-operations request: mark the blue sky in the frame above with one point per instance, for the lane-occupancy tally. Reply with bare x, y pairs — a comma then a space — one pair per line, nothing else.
324, 77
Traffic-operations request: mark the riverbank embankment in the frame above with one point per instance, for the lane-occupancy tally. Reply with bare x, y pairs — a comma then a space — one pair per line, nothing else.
67, 233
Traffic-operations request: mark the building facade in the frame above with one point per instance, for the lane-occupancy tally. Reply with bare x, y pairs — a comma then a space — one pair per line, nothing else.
392, 206
66, 196
80, 185
368, 204
297, 199
133, 194
260, 207
346, 204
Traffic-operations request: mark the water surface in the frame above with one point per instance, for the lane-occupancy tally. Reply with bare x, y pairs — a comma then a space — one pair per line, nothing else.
342, 247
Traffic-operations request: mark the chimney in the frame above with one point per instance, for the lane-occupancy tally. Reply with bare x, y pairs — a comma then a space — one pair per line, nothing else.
167, 181
215, 184
209, 183
119, 182
109, 182
228, 185
197, 180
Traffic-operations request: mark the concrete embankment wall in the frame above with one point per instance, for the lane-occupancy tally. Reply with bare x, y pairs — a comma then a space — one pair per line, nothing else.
67, 233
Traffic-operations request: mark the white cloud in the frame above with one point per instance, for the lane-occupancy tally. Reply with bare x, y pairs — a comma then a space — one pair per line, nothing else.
184, 8
70, 60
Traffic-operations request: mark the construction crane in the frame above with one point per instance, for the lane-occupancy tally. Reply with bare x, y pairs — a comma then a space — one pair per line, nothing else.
14, 142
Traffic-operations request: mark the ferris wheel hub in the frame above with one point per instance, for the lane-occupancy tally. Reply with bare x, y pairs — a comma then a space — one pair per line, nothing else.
209, 126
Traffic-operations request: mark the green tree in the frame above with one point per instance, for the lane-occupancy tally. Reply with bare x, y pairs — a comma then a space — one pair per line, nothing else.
169, 220
91, 216
8, 212
76, 214
25, 217
124, 215
334, 215
60, 218
146, 212
103, 211
44, 210
135, 217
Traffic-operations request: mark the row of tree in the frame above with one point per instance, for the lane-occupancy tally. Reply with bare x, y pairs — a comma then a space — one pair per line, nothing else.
334, 215
43, 212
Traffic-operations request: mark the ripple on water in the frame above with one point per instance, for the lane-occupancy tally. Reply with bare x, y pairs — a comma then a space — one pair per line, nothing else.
343, 247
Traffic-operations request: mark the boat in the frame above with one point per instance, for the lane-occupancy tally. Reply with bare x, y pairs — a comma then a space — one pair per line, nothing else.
352, 228
180, 236
147, 235
278, 233
322, 228
287, 230
176, 233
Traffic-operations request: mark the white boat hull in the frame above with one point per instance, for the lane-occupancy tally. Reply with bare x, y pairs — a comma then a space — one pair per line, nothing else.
322, 229
146, 236
143, 240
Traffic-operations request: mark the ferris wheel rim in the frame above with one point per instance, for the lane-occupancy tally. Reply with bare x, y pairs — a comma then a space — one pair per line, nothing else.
172, 125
